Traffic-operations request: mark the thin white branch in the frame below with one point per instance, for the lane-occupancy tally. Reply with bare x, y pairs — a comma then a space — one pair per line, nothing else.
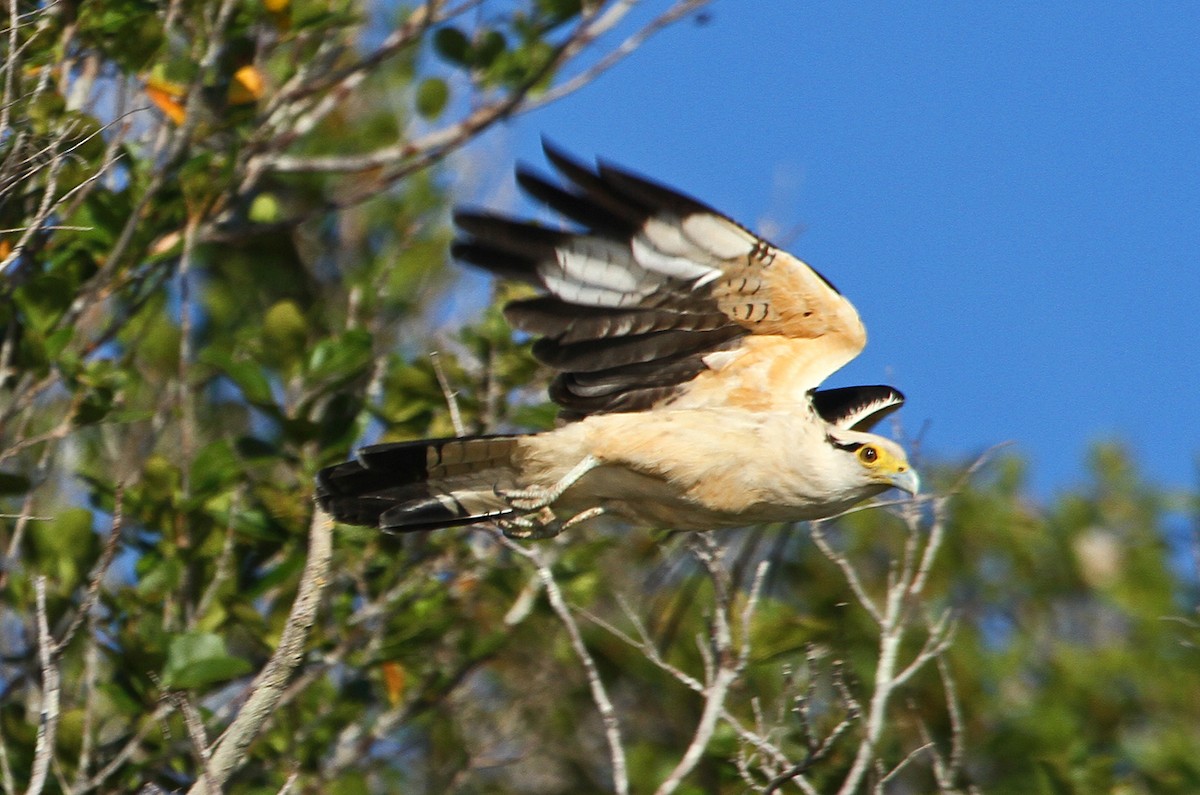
618, 53
451, 397
229, 752
957, 727
91, 666
937, 534
714, 707
51, 692
131, 746
723, 664
195, 730
646, 646
107, 555
608, 715
6, 774
817, 533
903, 763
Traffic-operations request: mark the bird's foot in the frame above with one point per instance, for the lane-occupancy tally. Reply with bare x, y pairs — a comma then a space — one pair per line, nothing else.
543, 524
537, 497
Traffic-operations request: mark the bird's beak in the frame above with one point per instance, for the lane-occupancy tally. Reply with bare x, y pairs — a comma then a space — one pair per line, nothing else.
907, 480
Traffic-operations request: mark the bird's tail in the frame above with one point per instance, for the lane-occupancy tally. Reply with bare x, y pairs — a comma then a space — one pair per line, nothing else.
425, 485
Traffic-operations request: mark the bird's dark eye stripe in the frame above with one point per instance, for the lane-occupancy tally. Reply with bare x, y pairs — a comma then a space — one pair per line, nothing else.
849, 447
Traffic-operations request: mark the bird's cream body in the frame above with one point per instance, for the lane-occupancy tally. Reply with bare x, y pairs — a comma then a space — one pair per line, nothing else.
675, 468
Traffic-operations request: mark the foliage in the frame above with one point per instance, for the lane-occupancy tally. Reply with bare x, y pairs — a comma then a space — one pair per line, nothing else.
223, 233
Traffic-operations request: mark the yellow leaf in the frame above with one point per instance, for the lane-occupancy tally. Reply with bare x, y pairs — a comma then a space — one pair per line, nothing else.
247, 86
276, 6
394, 678
167, 87
166, 95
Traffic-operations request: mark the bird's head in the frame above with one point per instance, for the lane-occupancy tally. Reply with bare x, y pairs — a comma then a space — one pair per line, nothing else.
875, 461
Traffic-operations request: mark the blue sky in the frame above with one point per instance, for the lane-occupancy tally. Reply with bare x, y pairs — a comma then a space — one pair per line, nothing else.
1008, 192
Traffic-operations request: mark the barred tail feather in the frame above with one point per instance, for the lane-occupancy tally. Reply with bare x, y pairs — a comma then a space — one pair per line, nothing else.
425, 485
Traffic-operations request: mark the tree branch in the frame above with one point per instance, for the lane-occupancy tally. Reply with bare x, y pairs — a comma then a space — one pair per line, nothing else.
229, 752
47, 732
612, 726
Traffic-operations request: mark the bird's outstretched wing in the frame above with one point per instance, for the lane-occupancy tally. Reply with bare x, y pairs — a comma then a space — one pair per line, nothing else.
658, 299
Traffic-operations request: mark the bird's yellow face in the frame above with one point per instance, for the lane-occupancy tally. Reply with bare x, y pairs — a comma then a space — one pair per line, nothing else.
887, 463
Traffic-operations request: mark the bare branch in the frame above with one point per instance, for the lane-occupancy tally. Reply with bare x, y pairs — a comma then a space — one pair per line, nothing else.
91, 664
229, 752
6, 774
223, 568
903, 763
817, 531
617, 54
131, 746
726, 665
48, 723
92, 594
196, 736
612, 727
451, 397
184, 394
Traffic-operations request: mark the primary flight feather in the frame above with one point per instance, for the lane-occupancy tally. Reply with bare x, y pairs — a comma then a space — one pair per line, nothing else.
688, 351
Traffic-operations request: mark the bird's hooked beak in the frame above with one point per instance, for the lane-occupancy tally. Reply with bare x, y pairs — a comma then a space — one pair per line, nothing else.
907, 480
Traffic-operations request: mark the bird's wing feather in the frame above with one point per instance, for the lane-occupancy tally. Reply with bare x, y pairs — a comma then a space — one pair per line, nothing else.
857, 408
661, 299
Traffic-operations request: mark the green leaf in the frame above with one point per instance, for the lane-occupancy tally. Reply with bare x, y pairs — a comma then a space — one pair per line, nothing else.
197, 659
341, 357
44, 299
560, 10
452, 45
285, 331
489, 47
247, 375
65, 545
432, 96
12, 483
67, 534
95, 406
214, 466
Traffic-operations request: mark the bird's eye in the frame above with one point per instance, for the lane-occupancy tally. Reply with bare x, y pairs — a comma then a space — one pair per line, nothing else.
868, 454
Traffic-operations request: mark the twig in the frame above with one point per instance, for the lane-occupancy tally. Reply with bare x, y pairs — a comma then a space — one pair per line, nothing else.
48, 723
289, 783
229, 752
646, 646
817, 532
130, 747
618, 53
185, 395
199, 742
957, 727
903, 763
608, 715
91, 665
728, 665
224, 565
449, 394
6, 775
107, 555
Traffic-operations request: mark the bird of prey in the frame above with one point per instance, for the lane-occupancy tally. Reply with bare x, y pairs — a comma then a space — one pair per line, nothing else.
688, 351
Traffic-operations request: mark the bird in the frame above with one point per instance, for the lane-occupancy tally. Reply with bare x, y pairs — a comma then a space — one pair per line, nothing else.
689, 353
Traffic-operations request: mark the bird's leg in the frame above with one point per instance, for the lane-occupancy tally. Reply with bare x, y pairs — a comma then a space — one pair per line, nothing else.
536, 498
539, 521
543, 524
